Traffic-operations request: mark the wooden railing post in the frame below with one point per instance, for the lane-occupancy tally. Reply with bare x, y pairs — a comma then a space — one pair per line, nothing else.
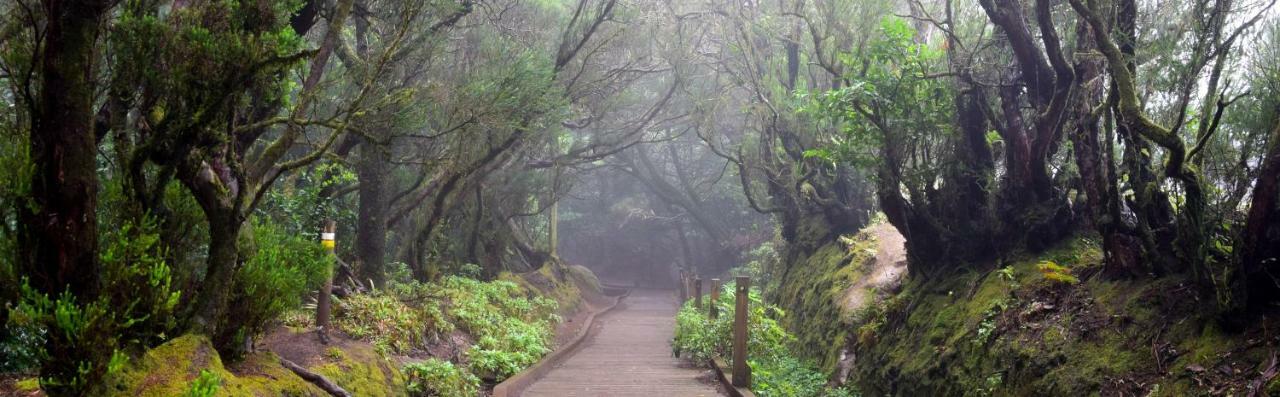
680, 285
697, 293
327, 240
712, 309
741, 372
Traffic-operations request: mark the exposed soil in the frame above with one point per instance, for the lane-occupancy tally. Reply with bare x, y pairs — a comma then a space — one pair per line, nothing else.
303, 348
884, 273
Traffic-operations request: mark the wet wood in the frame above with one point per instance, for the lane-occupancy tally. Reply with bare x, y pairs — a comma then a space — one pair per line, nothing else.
629, 356
328, 241
714, 311
741, 372
697, 293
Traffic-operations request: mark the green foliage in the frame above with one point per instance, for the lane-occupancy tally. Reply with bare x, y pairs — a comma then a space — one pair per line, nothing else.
135, 310
144, 300
776, 371
762, 261
205, 385
20, 347
84, 333
274, 279
302, 205
512, 329
437, 378
787, 377
384, 320
910, 107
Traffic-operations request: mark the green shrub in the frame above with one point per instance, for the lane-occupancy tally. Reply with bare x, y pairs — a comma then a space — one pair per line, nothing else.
786, 376
700, 338
20, 347
141, 293
383, 320
512, 329
437, 378
776, 371
282, 269
134, 310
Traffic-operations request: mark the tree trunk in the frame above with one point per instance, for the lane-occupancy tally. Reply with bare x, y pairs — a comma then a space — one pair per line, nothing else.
211, 300
1260, 245
60, 241
371, 225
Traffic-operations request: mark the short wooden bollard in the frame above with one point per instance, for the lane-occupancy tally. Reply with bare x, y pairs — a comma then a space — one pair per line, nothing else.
712, 309
741, 372
697, 293
326, 290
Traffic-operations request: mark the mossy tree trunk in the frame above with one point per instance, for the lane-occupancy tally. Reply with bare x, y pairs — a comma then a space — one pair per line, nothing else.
371, 224
58, 241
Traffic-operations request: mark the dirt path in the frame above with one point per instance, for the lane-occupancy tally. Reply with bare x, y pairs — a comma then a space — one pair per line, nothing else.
888, 268
629, 356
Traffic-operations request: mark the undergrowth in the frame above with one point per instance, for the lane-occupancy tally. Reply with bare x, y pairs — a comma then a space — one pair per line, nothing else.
440, 378
512, 327
776, 370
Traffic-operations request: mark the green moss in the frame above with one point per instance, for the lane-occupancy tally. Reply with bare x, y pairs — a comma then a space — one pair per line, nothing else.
812, 294
170, 369
1008, 331
263, 375
363, 372
28, 385
584, 278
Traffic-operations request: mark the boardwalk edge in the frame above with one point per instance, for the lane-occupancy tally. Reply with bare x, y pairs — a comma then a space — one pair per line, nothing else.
515, 385
724, 374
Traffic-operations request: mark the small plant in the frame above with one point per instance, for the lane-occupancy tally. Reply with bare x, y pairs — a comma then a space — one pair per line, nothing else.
988, 324
1054, 272
205, 385
439, 378
334, 353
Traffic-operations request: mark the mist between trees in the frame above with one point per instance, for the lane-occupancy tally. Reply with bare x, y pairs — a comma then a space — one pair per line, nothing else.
154, 151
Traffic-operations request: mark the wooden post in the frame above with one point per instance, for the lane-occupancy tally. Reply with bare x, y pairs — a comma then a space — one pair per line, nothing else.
713, 309
697, 293
322, 301
680, 287
741, 372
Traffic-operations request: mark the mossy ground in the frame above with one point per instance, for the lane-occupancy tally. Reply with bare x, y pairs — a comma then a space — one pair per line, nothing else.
1007, 329
358, 367
169, 370
810, 293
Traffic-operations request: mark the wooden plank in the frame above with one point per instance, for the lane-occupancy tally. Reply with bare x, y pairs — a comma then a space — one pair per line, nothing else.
629, 356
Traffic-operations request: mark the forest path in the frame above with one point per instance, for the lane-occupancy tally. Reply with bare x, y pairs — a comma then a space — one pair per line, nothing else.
629, 356
888, 268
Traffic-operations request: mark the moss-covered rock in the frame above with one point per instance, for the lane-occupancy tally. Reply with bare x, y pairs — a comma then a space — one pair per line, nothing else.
1014, 329
811, 291
362, 372
172, 368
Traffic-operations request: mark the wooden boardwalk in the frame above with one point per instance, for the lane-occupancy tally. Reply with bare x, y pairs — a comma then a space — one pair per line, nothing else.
629, 356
